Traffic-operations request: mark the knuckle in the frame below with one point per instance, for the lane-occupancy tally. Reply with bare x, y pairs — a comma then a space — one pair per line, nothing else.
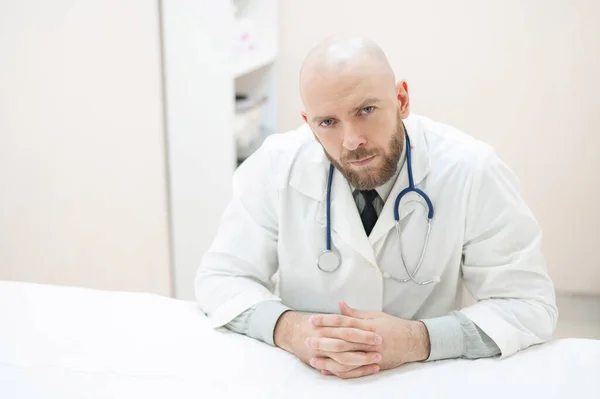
342, 358
341, 367
333, 356
338, 346
337, 357
323, 332
347, 335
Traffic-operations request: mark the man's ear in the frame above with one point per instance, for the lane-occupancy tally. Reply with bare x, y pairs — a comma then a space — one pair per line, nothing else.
306, 120
403, 98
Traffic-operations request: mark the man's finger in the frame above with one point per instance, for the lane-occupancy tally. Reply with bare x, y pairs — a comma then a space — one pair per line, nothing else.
356, 358
326, 344
351, 335
357, 372
325, 363
335, 320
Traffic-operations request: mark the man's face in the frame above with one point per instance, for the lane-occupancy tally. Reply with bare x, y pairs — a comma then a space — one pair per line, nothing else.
357, 119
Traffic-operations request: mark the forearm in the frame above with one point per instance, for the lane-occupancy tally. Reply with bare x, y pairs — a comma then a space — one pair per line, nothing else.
283, 335
419, 342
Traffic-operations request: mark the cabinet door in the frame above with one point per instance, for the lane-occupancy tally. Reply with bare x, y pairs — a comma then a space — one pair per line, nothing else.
200, 98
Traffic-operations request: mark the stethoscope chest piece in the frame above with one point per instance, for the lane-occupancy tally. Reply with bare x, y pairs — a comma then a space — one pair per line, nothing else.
329, 261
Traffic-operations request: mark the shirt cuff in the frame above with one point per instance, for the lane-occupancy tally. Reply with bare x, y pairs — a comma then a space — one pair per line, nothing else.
263, 320
445, 337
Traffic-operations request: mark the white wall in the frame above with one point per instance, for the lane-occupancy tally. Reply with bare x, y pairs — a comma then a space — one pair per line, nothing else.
82, 163
519, 74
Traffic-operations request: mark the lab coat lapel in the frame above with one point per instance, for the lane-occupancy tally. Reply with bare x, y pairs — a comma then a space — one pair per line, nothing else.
310, 179
345, 219
420, 168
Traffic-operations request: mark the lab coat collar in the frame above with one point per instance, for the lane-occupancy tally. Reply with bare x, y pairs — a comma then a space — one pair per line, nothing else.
310, 178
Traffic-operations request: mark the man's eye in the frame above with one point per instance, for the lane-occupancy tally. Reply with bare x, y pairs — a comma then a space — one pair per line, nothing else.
326, 123
368, 110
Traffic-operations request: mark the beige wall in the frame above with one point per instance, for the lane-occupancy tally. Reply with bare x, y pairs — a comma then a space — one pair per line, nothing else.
522, 75
82, 168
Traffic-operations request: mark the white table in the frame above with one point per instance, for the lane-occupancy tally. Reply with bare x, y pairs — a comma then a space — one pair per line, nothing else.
65, 342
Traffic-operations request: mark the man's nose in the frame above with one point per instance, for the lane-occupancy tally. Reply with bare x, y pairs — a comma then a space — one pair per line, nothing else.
353, 138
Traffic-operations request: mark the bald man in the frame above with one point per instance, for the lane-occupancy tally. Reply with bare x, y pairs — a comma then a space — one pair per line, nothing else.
357, 128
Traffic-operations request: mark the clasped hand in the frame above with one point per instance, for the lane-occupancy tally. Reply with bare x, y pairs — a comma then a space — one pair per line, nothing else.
354, 343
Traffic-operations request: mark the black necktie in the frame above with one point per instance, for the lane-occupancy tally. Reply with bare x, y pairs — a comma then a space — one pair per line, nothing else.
368, 215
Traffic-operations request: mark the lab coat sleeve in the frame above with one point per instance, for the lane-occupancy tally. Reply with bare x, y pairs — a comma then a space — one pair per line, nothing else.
259, 321
454, 336
236, 272
503, 267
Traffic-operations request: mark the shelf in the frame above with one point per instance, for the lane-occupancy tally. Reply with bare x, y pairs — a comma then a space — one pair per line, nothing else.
249, 64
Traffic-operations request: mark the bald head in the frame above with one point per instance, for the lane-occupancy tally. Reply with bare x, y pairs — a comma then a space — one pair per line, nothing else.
355, 108
335, 56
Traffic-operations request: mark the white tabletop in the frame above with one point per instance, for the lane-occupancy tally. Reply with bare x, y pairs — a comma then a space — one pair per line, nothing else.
65, 342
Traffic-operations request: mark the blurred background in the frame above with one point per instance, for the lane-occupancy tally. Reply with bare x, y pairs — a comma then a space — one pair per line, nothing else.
122, 122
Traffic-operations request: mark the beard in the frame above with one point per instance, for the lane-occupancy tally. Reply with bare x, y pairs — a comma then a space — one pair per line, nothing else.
371, 177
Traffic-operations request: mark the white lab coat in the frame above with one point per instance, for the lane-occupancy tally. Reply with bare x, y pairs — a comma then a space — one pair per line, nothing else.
483, 236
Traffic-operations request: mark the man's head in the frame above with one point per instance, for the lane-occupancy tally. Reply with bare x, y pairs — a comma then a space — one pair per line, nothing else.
354, 107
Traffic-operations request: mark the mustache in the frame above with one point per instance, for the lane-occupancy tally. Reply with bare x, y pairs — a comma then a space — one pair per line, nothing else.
359, 153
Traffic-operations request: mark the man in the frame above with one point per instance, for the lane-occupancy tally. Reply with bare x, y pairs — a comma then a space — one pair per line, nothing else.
388, 301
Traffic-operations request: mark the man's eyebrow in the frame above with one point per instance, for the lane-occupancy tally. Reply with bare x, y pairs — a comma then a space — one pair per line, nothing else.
321, 118
366, 103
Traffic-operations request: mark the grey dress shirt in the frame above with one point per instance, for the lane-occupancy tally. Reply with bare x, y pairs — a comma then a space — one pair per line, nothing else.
450, 336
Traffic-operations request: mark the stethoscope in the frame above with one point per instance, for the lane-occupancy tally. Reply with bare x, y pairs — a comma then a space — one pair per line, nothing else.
329, 260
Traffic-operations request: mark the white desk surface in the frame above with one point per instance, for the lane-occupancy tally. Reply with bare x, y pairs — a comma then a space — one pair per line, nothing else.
66, 342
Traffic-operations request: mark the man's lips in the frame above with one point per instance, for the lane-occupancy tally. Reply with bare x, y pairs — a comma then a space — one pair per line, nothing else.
363, 161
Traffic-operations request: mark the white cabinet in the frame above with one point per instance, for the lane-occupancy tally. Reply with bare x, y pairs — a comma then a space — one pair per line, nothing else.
211, 50
256, 48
